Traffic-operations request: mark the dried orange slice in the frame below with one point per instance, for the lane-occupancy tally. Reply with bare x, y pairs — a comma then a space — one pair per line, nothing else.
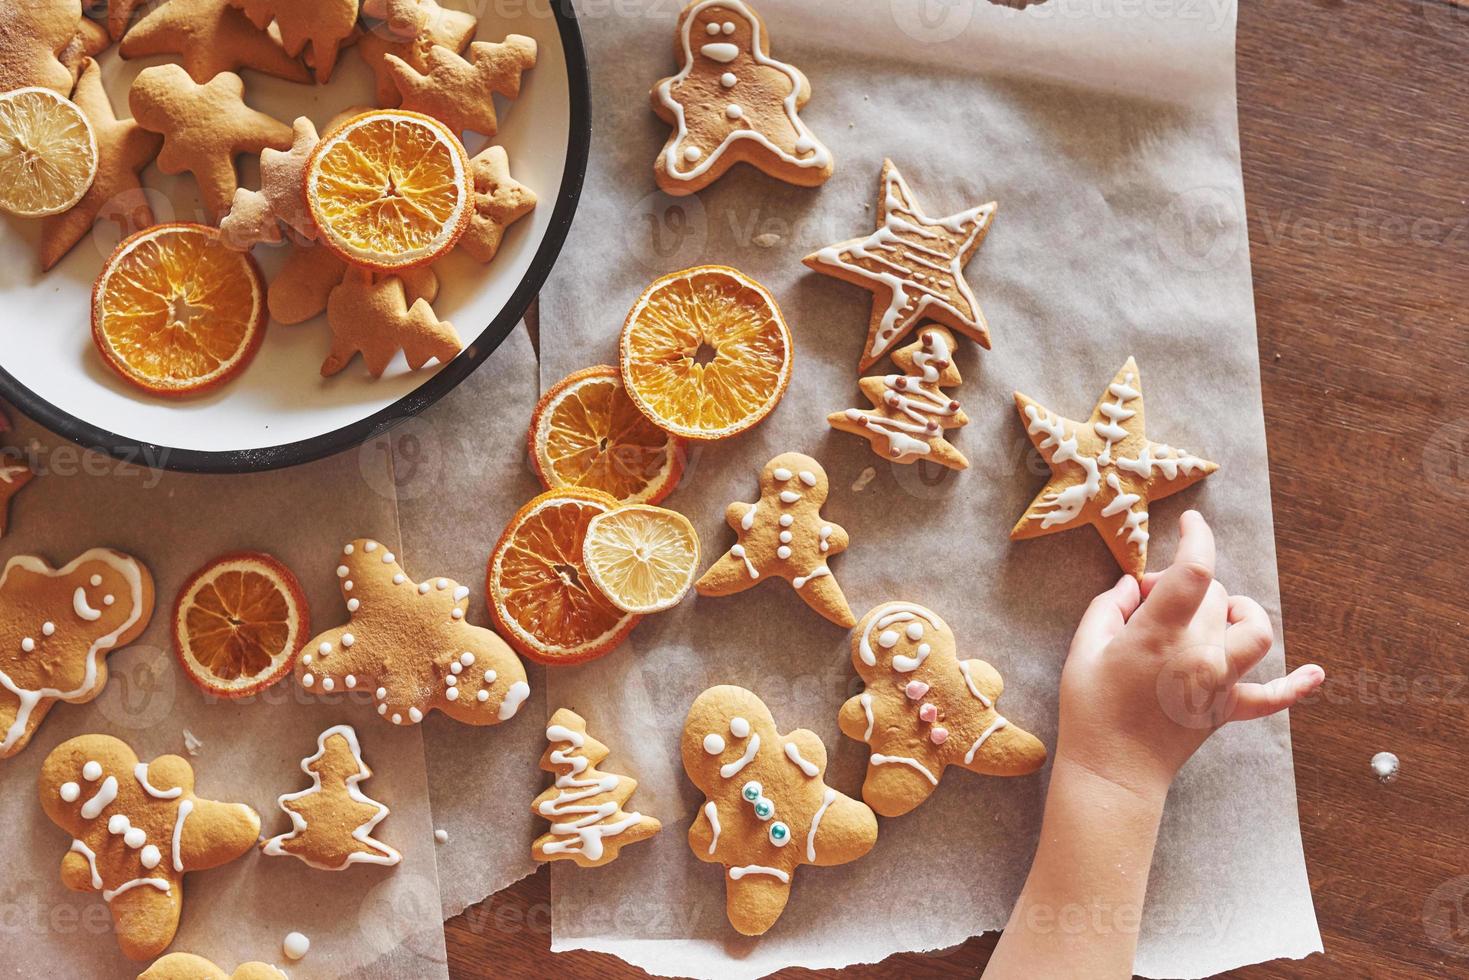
538, 589
390, 189
586, 432
175, 312
48, 153
642, 558
705, 353
239, 623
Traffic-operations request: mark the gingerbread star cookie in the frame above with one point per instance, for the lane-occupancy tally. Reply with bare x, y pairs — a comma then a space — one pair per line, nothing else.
923, 710
187, 966
137, 828
322, 24
409, 646
332, 820
783, 535
584, 805
914, 266
376, 319
732, 103
209, 37
768, 809
204, 127
499, 202
56, 627
33, 34
1105, 472
461, 93
410, 30
257, 216
116, 196
910, 411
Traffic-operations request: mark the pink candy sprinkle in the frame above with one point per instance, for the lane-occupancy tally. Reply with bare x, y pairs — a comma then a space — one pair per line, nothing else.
938, 735
929, 713
916, 690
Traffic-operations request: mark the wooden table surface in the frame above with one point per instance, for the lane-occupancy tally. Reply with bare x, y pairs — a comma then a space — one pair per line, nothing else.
1353, 119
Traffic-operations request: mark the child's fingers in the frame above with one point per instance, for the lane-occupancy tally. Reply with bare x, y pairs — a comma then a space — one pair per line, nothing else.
1248, 636
1150, 579
1180, 590
1107, 614
1259, 700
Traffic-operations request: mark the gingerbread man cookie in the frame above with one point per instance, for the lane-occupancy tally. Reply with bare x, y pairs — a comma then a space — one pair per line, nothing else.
204, 127
33, 34
408, 645
332, 820
783, 535
210, 37
914, 267
187, 966
910, 411
1105, 472
584, 805
924, 710
461, 93
137, 828
733, 103
768, 809
56, 627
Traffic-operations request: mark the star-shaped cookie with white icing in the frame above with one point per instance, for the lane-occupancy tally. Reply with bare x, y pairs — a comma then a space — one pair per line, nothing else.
914, 266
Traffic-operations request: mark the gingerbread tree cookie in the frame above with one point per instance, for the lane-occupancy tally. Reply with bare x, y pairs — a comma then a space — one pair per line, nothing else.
187, 966
408, 644
768, 809
410, 30
461, 93
783, 535
1105, 472
256, 217
332, 820
137, 828
584, 805
57, 626
910, 411
924, 710
913, 265
204, 127
210, 37
375, 319
732, 103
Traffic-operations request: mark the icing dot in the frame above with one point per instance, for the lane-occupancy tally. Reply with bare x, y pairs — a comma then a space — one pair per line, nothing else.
353, 605
118, 824
351, 681
382, 693
348, 550
296, 945
442, 836
452, 694
789, 496
785, 537
423, 588
457, 613
70, 792
888, 639
414, 715
150, 857
728, 79
733, 111
692, 153
764, 809
324, 649
490, 676
47, 629
347, 586
308, 680
482, 696
786, 520
343, 571
780, 834
739, 727
808, 478
397, 718
348, 639
711, 28
96, 580
399, 579
382, 709
751, 790
388, 558
456, 667
306, 659
27, 645
92, 771
914, 631
728, 27
466, 658
108, 600
135, 838
782, 552
369, 546
442, 584
327, 684
714, 743
451, 681
782, 474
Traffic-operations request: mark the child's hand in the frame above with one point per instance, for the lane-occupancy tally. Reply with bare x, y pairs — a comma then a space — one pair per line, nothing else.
1153, 670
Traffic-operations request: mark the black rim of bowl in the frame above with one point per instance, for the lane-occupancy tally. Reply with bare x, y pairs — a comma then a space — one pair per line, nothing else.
445, 380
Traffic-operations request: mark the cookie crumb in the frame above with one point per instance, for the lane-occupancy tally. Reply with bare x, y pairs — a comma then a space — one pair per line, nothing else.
1385, 766
865, 477
441, 835
767, 240
192, 744
296, 945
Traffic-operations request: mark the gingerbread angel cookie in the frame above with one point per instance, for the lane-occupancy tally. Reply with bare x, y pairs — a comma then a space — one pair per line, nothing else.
408, 645
783, 535
1105, 472
768, 809
332, 820
913, 265
732, 103
187, 966
924, 710
56, 627
910, 411
137, 828
584, 804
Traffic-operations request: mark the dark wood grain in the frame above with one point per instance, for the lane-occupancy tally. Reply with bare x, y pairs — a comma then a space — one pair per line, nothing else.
1353, 118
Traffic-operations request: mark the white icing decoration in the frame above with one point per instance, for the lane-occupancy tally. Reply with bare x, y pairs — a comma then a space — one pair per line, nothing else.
711, 812
348, 639
889, 615
150, 857
70, 792
92, 771
720, 51
866, 701
514, 698
827, 798
733, 111
739, 727
793, 752
369, 546
91, 856
104, 796
730, 770
186, 807
80, 607
969, 682
808, 478
995, 726
587, 829
728, 79
789, 496
127, 886
47, 629
816, 572
878, 759
140, 772
758, 869
466, 659
714, 743
295, 945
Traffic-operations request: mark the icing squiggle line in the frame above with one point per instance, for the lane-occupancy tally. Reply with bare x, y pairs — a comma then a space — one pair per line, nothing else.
140, 771
827, 799
758, 869
995, 726
127, 886
878, 759
969, 681
894, 612
866, 701
711, 811
793, 752
731, 769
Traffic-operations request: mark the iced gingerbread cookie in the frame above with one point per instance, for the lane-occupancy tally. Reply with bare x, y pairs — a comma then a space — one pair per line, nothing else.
910, 411
924, 710
783, 535
732, 103
407, 644
187, 966
584, 804
768, 809
137, 828
1104, 472
332, 820
914, 267
57, 626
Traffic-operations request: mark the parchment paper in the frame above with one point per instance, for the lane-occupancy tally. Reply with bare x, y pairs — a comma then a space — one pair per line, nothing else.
460, 474
367, 922
1107, 133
